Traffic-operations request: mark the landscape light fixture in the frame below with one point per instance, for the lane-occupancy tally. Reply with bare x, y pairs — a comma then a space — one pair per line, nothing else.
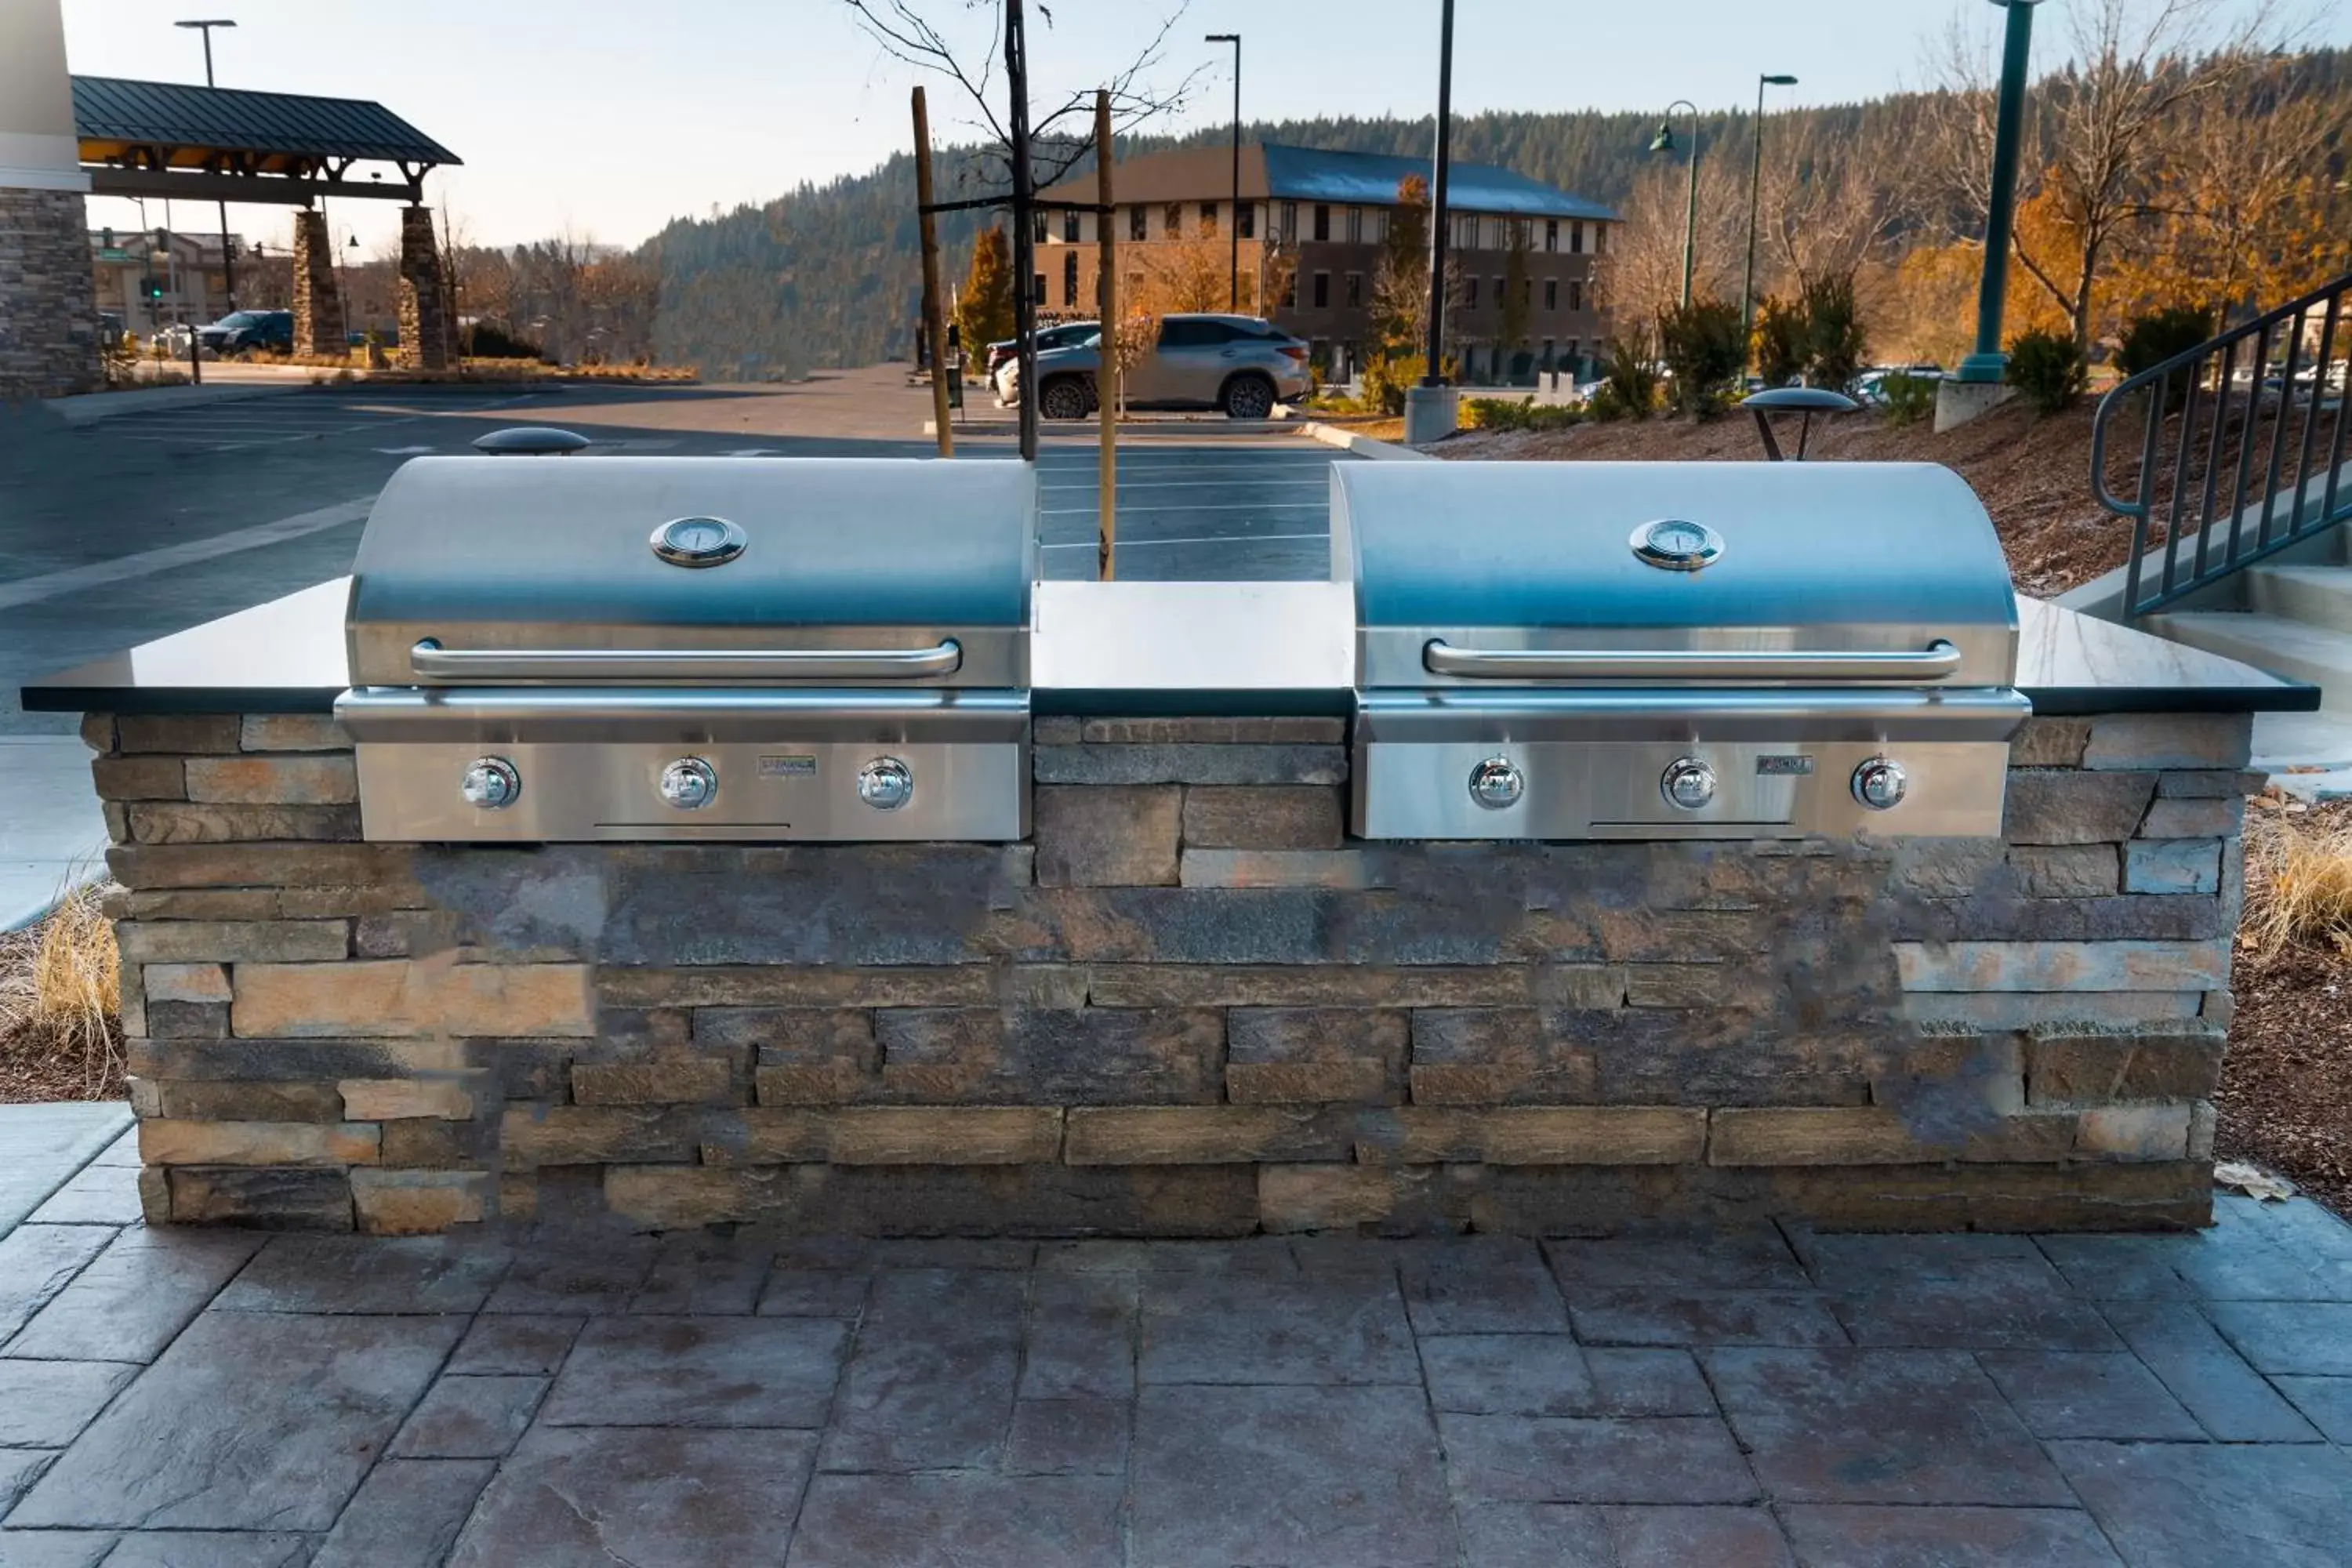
1663, 142
1234, 218
228, 262
1755, 185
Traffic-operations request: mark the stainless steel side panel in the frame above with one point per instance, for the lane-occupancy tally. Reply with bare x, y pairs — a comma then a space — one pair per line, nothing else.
1611, 789
772, 790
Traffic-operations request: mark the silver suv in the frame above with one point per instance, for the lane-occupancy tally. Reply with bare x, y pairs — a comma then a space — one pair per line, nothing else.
1241, 364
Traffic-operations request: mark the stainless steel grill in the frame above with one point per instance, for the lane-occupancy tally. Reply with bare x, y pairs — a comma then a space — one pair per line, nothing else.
1675, 650
694, 648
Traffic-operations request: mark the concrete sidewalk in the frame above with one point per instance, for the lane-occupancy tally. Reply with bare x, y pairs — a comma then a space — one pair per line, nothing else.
1751, 1398
52, 830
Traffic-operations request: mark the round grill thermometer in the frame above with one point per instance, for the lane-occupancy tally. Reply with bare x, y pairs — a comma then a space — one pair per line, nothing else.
1676, 544
698, 541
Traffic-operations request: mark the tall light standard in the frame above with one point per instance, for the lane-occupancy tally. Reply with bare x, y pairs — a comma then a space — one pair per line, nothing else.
1432, 409
1988, 363
1755, 185
1234, 219
228, 266
1663, 142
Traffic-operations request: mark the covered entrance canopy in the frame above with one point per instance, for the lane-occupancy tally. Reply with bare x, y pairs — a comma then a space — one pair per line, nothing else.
172, 139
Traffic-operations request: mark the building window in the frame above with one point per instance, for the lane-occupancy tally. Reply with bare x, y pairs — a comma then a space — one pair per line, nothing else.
1172, 222
1322, 220
1547, 361
1037, 287
1355, 289
1380, 226
1551, 293
1290, 290
1355, 226
1138, 222
1469, 293
1576, 239
1600, 238
1070, 278
1551, 234
1037, 226
1208, 218
1290, 222
1498, 293
1246, 219
1070, 224
1322, 289
1575, 294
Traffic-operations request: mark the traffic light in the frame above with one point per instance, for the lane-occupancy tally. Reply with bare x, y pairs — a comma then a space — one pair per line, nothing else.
106, 238
150, 288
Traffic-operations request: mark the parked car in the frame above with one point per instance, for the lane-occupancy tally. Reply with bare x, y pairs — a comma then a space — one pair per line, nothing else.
242, 330
1055, 337
1242, 364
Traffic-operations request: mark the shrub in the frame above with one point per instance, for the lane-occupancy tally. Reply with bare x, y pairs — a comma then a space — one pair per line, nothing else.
1837, 344
486, 340
2048, 369
1909, 398
2152, 339
1628, 377
1780, 337
1386, 376
1520, 413
1700, 344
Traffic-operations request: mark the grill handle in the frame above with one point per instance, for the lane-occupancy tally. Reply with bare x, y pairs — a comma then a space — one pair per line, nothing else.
1935, 662
431, 661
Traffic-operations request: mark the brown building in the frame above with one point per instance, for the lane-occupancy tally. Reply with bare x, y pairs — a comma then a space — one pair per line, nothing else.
1330, 213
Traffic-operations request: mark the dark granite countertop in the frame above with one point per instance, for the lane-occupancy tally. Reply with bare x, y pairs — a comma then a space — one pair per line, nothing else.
1135, 647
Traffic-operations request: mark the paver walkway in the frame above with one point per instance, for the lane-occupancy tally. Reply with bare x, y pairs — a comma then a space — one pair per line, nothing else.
227, 1398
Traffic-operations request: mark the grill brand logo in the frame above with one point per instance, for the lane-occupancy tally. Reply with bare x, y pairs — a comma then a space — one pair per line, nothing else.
788, 767
1781, 767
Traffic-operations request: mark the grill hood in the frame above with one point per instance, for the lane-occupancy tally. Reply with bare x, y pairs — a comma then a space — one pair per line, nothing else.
507, 558
1533, 562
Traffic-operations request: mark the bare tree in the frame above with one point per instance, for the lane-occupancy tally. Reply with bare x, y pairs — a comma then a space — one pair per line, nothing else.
2106, 126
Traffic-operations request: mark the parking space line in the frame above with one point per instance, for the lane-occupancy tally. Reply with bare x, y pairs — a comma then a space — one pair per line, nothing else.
146, 563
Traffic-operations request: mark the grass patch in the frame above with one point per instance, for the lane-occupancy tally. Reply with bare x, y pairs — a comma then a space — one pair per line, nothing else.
2299, 885
60, 1006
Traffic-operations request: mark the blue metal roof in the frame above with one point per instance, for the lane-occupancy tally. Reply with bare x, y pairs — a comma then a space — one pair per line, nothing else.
228, 120
1310, 173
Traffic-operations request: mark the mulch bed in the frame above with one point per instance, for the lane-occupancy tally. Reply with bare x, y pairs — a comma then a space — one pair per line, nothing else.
2286, 1099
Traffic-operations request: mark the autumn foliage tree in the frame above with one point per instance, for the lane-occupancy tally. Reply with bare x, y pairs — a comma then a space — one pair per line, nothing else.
984, 305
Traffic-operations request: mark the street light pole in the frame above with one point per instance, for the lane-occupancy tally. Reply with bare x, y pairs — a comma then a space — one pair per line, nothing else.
1988, 363
228, 265
1663, 142
1430, 409
1233, 224
1754, 187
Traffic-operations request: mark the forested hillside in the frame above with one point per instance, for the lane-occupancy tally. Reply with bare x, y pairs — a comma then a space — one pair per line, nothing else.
829, 276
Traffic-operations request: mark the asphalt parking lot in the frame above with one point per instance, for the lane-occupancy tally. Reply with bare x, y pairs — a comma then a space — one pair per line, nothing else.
115, 533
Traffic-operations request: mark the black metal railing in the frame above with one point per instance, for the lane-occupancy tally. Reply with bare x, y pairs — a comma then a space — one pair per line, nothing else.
2208, 502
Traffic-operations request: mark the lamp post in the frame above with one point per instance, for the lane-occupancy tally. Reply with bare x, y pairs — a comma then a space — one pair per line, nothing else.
229, 264
1989, 364
1755, 185
1430, 409
1663, 142
1233, 224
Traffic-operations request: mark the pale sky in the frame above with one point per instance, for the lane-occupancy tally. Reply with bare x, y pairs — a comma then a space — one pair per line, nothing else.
612, 116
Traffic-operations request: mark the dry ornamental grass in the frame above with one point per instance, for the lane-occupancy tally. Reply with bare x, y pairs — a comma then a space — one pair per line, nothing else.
60, 998
2286, 1097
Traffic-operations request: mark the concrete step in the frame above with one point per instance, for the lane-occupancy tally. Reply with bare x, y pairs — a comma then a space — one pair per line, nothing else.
2320, 595
2309, 756
2296, 650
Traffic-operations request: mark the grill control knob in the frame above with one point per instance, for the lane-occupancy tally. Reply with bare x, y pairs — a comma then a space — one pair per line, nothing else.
1498, 783
490, 783
885, 784
1880, 783
1688, 784
689, 783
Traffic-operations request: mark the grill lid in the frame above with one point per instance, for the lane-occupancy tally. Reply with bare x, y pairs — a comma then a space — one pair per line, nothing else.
753, 569
1618, 574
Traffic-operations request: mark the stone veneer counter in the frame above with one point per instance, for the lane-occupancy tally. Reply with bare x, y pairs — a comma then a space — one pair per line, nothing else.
1189, 1005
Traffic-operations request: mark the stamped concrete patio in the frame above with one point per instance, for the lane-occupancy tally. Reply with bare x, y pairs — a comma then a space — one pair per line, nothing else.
227, 1398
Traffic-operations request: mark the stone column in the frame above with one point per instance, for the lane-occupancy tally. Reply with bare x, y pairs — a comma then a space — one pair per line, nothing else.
318, 304
423, 343
48, 301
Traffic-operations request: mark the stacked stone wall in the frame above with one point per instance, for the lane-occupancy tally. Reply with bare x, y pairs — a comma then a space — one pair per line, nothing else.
317, 300
423, 341
1191, 1005
48, 297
